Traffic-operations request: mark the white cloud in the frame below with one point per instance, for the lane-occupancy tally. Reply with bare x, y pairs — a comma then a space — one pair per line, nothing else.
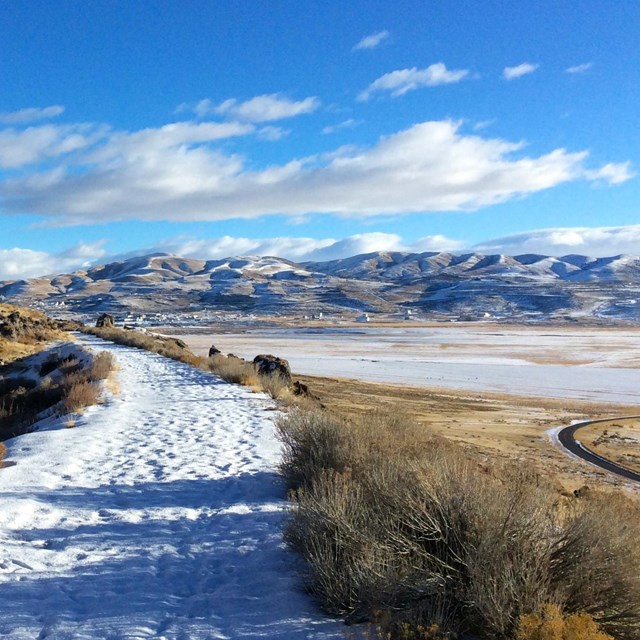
511, 73
20, 147
258, 109
17, 264
173, 173
272, 133
350, 123
31, 114
401, 81
371, 41
579, 68
612, 173
589, 241
302, 249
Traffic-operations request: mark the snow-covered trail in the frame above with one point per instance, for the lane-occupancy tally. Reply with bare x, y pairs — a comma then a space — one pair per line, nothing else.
158, 516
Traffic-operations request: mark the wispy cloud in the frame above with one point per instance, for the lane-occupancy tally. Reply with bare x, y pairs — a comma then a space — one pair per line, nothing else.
511, 73
351, 123
401, 81
272, 133
589, 241
371, 41
579, 68
262, 108
176, 172
35, 144
31, 114
611, 173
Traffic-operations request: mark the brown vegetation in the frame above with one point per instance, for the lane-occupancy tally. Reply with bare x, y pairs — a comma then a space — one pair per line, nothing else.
65, 386
229, 368
24, 331
389, 517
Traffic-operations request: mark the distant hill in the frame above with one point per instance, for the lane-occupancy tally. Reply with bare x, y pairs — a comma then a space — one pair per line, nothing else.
430, 285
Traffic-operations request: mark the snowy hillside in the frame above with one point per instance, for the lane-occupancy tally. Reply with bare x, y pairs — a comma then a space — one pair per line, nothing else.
435, 285
151, 518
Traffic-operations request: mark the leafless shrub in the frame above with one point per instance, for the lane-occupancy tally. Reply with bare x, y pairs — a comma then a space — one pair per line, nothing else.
596, 562
101, 366
389, 518
275, 385
80, 394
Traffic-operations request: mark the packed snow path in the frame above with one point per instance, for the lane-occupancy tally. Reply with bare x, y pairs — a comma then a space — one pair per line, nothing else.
158, 516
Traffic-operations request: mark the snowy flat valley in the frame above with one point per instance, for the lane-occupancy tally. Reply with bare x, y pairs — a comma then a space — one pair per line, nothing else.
595, 364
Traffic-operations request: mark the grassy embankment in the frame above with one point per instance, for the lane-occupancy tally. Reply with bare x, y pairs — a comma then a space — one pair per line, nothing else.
28, 388
229, 368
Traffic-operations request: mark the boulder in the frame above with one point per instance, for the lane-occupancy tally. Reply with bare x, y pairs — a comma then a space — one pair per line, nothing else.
105, 320
582, 491
302, 390
214, 351
268, 365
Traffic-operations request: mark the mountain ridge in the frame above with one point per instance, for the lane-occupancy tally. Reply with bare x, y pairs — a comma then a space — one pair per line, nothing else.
431, 284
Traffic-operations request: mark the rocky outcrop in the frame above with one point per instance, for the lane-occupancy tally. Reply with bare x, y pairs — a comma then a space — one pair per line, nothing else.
24, 325
268, 365
105, 320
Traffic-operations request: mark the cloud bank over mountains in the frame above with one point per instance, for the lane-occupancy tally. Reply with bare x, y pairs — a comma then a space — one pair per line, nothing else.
594, 242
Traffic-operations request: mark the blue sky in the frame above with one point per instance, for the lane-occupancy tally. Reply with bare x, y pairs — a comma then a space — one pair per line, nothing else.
316, 130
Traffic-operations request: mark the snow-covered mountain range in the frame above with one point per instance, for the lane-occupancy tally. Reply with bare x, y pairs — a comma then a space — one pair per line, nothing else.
430, 285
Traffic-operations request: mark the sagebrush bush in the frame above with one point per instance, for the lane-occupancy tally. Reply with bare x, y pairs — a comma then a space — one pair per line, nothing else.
233, 370
388, 517
275, 385
551, 624
80, 394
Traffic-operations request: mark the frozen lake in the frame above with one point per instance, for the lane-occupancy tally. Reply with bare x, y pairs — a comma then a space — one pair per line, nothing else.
558, 362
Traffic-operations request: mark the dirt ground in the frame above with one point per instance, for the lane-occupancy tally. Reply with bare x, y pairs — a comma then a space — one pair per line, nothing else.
497, 427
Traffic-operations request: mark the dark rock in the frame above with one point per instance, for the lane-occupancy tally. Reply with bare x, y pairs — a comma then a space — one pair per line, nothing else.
268, 365
582, 491
302, 390
214, 351
105, 320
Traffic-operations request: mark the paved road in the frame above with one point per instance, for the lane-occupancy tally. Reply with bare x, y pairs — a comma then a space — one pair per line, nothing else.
567, 439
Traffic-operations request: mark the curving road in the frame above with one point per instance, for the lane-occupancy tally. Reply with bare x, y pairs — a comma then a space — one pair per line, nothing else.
566, 437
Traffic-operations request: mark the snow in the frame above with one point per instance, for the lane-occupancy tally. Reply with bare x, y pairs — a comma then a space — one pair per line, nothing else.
158, 516
581, 364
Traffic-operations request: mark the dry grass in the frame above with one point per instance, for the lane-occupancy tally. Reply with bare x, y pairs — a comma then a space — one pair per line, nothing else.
276, 386
617, 440
168, 347
491, 425
229, 368
78, 395
551, 624
233, 370
391, 518
73, 387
